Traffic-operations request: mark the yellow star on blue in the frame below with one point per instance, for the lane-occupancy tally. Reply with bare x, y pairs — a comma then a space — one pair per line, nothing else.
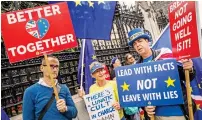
199, 86
198, 106
44, 23
100, 1
125, 86
45, 26
94, 57
170, 82
90, 3
78, 3
40, 20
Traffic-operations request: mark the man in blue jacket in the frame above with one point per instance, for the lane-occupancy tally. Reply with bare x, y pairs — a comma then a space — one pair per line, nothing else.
37, 96
140, 42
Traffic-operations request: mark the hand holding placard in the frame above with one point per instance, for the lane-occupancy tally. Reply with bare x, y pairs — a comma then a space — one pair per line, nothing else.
185, 37
187, 65
149, 84
99, 105
184, 30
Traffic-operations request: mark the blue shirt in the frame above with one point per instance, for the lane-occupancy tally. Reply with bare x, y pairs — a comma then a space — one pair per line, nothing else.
171, 110
36, 97
149, 59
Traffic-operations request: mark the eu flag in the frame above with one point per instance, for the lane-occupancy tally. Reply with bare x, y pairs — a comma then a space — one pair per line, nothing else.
196, 84
89, 57
92, 19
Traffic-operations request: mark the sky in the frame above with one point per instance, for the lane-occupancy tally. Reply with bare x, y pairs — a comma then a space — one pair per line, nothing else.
129, 2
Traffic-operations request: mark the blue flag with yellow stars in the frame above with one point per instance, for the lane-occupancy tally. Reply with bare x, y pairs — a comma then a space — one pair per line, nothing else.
196, 84
92, 19
149, 84
89, 57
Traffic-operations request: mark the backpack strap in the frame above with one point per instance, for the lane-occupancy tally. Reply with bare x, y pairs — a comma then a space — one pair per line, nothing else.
46, 107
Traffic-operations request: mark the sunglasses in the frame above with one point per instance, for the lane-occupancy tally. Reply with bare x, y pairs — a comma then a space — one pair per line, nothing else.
53, 66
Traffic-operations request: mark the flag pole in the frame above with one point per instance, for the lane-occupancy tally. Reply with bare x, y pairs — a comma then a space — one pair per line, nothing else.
82, 63
191, 117
51, 78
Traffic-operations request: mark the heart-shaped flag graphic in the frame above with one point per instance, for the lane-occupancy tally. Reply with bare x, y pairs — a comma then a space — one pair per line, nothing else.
37, 29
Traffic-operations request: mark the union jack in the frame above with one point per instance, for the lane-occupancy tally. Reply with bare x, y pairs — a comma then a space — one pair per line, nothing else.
32, 28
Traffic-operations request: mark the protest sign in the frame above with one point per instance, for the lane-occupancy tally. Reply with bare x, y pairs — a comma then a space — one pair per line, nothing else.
152, 83
185, 36
32, 32
99, 105
185, 29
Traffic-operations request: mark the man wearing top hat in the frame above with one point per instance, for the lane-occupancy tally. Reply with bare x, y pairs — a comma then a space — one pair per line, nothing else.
140, 42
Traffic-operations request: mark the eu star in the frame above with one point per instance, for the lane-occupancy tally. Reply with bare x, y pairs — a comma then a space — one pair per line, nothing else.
90, 3
125, 86
78, 3
170, 82
94, 57
199, 86
198, 107
100, 1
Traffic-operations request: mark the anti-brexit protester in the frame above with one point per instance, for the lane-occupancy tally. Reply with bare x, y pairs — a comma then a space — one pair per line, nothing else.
97, 72
140, 42
39, 101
